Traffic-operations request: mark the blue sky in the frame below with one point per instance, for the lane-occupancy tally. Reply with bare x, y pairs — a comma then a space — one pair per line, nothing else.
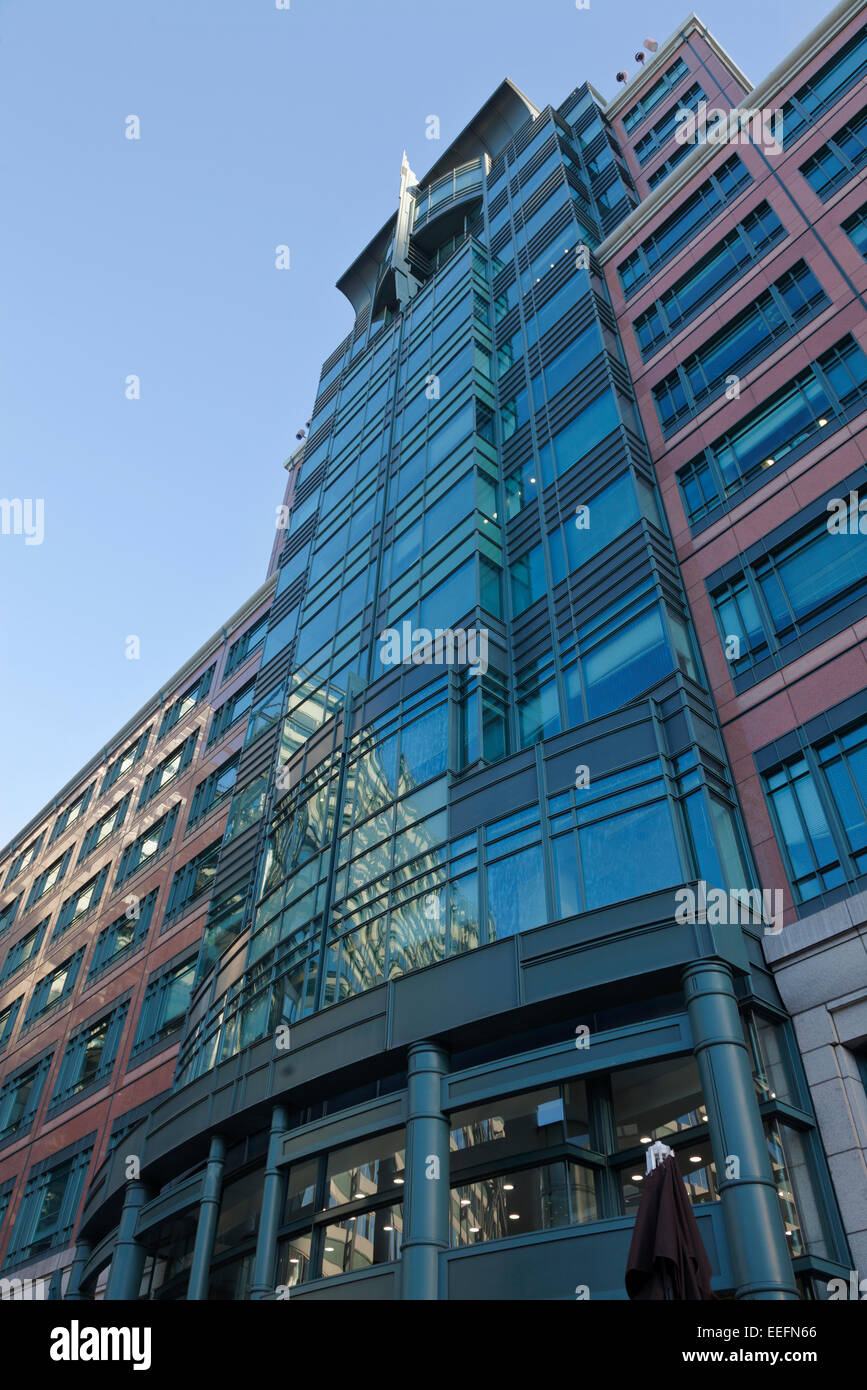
155, 257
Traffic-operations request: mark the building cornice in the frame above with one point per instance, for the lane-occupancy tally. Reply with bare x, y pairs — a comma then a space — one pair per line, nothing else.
757, 99
691, 25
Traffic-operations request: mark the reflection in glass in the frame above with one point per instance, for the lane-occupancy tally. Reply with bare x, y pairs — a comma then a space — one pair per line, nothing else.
532, 1199
366, 1169
371, 1238
293, 1260
657, 1100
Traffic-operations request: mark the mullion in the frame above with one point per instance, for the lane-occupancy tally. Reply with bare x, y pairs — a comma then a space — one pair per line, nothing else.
794, 878
832, 815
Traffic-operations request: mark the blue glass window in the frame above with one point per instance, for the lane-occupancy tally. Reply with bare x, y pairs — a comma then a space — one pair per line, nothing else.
620, 652
194, 879
24, 950
250, 641
813, 860
663, 170
164, 1005
73, 812
839, 159
231, 711
812, 576
23, 860
843, 763
90, 1056
607, 515
655, 93
622, 656
613, 840
186, 702
49, 1206
554, 308
537, 701
53, 988
123, 936
167, 771
8, 913
20, 1095
746, 243
696, 212
127, 759
663, 129
527, 576
738, 616
825, 87
855, 228
515, 874
280, 635
8, 1015
82, 901
736, 347
44, 883
792, 589
106, 826
593, 424
832, 384
565, 367
149, 845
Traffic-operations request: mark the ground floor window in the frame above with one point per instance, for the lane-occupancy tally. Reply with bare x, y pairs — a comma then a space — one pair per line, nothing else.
527, 1199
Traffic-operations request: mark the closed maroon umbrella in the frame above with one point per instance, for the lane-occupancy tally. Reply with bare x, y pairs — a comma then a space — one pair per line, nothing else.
667, 1258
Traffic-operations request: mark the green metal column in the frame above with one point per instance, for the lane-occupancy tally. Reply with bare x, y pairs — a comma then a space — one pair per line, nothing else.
76, 1269
751, 1209
206, 1229
124, 1277
273, 1189
426, 1209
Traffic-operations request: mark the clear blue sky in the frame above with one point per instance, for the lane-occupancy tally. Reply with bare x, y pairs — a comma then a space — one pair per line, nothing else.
155, 257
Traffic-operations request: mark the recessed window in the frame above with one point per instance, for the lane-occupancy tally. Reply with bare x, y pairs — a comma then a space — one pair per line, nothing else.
839, 159
819, 811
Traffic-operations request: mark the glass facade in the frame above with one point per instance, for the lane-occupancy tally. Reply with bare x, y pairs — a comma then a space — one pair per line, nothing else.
471, 459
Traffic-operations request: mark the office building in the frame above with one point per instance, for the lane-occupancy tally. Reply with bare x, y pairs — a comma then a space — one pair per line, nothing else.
548, 835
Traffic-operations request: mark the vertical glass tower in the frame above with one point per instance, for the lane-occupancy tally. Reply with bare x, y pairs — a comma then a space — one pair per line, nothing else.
459, 969
475, 463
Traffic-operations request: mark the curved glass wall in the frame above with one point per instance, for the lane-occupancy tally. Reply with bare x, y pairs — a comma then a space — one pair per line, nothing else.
460, 183
565, 1155
479, 466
